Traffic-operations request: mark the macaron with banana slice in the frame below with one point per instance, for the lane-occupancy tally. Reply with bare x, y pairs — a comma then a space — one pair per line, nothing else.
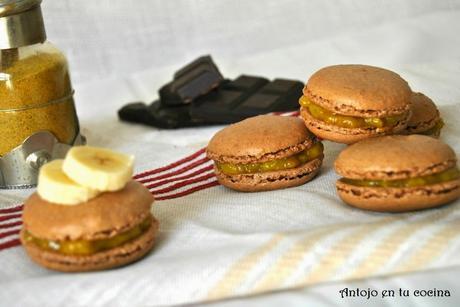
88, 214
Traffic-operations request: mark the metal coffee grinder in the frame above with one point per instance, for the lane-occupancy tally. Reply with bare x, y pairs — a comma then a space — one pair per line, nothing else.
38, 121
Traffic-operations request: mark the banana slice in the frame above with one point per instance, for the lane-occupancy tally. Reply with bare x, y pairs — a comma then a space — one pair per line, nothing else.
56, 187
98, 168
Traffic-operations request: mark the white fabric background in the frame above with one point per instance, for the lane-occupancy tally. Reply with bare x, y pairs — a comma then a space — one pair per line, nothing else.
121, 51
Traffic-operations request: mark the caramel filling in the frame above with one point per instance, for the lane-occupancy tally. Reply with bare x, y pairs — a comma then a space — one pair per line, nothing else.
345, 121
435, 130
274, 165
89, 247
447, 175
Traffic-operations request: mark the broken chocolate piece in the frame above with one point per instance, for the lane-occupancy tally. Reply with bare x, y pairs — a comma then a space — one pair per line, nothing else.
195, 79
159, 116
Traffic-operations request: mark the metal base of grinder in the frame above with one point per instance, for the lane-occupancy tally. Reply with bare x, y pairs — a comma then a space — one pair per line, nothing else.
19, 168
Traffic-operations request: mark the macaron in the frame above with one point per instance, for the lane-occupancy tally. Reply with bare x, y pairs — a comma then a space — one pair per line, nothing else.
348, 103
398, 173
110, 230
264, 153
425, 118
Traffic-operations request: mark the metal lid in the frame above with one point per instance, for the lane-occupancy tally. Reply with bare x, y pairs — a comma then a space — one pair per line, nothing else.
21, 23
13, 7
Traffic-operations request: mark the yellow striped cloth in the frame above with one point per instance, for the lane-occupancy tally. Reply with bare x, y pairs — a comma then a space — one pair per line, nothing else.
389, 245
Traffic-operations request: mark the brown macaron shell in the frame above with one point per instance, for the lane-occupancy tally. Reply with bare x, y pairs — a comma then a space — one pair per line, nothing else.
347, 135
399, 199
115, 257
359, 90
260, 139
395, 157
391, 158
102, 217
424, 116
270, 180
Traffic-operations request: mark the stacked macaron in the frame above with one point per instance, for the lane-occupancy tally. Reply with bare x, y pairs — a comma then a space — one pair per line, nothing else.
349, 103
265, 152
88, 214
398, 173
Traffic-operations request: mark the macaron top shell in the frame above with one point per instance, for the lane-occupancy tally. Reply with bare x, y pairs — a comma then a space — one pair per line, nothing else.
102, 217
424, 112
359, 90
260, 138
395, 157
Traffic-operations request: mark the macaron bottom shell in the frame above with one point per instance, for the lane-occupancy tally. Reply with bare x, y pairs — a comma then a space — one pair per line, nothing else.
385, 199
118, 256
268, 181
347, 135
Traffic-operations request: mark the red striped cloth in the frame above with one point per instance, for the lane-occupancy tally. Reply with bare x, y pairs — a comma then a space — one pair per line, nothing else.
186, 176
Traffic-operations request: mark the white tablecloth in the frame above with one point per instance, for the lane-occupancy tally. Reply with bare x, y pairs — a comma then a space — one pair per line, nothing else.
217, 243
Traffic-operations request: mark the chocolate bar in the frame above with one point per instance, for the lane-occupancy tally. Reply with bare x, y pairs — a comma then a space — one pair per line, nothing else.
199, 95
245, 97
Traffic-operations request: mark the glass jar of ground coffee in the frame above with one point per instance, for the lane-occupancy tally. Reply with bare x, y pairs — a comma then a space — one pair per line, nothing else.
36, 96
